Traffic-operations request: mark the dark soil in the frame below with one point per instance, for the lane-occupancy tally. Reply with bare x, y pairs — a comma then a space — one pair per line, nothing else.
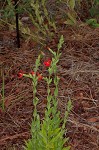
78, 70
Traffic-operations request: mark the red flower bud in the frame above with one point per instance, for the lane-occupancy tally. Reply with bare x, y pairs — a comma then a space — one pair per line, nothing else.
20, 74
48, 48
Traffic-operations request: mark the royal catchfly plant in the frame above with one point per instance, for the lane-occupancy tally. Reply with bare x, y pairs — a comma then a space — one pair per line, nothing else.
48, 134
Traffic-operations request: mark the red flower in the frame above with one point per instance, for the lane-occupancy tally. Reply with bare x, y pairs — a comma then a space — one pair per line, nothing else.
47, 63
40, 77
20, 74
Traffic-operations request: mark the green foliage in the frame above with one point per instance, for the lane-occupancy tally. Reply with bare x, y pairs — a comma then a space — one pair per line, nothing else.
79, 9
8, 10
70, 13
43, 15
93, 23
90, 8
94, 10
39, 15
48, 134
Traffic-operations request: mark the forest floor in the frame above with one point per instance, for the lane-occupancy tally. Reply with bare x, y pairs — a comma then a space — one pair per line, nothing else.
78, 70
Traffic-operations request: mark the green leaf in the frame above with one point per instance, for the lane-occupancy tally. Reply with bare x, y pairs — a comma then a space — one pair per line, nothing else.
96, 25
56, 138
92, 22
61, 41
35, 101
71, 4
50, 70
44, 138
49, 81
69, 105
56, 92
65, 140
48, 91
54, 132
38, 60
69, 22
46, 79
54, 53
49, 98
56, 80
71, 17
67, 148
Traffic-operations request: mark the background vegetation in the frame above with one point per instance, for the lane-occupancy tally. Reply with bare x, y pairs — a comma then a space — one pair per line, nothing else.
44, 15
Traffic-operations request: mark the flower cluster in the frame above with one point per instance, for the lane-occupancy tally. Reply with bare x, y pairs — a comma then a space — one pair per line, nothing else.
46, 63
